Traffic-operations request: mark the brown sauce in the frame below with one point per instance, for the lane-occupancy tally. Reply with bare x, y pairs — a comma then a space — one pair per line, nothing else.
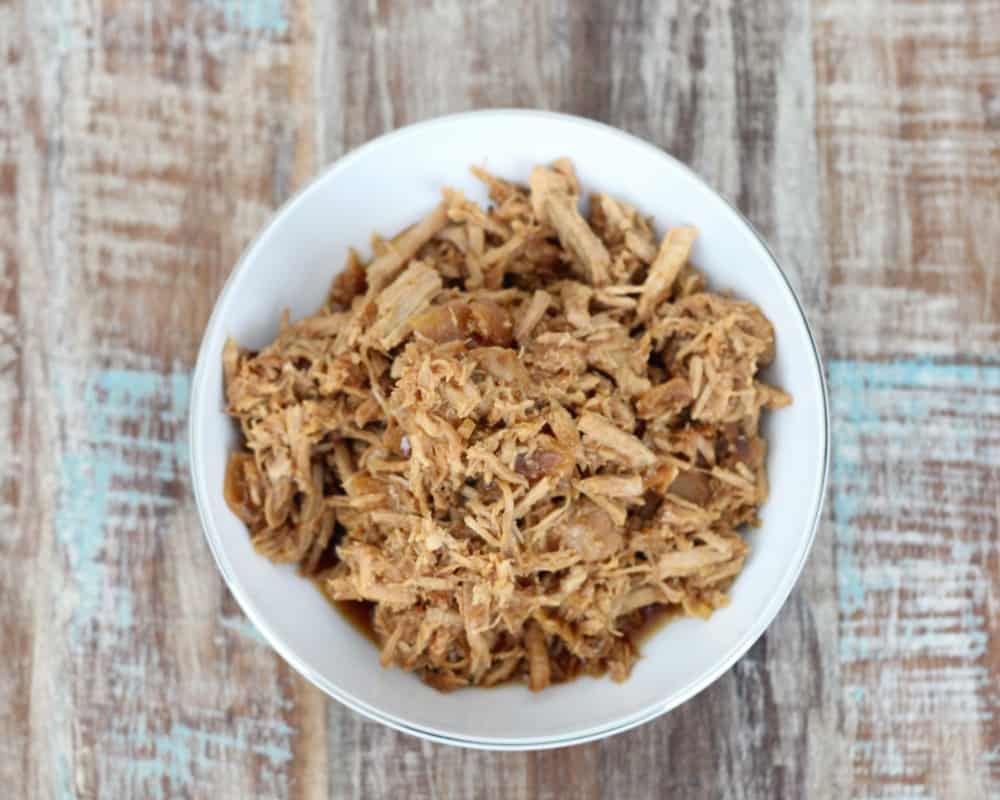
652, 619
359, 613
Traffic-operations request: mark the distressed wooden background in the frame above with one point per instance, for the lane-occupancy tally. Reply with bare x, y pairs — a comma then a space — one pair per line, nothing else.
142, 143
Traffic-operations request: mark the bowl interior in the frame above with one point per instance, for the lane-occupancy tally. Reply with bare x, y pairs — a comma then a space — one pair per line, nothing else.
389, 184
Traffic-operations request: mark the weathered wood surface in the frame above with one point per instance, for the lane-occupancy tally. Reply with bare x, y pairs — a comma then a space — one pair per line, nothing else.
143, 143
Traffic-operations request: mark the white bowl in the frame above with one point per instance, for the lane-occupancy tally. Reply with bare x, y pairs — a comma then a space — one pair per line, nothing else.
388, 184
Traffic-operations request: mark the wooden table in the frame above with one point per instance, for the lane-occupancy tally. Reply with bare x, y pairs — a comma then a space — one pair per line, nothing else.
142, 144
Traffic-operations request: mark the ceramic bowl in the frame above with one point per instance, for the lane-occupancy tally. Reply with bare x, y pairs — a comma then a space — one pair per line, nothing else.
388, 184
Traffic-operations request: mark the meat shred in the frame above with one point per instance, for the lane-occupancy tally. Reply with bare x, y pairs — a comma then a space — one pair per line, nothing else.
515, 433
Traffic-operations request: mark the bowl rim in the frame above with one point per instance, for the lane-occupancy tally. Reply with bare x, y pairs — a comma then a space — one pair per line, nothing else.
787, 582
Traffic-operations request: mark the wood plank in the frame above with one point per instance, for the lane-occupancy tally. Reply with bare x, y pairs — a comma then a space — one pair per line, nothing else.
17, 503
722, 85
907, 133
732, 96
379, 71
156, 139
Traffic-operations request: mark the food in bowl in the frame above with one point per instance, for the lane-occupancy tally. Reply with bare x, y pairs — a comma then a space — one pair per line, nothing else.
516, 435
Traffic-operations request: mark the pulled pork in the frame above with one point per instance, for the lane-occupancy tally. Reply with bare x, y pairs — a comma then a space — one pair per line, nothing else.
514, 433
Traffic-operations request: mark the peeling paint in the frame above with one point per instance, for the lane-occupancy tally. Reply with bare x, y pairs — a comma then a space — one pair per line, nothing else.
913, 500
259, 16
119, 410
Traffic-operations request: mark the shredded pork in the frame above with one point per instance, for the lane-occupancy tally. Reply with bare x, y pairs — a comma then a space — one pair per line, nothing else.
514, 433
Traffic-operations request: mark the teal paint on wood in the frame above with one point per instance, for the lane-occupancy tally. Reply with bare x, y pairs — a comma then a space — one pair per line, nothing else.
905, 399
263, 16
127, 417
916, 460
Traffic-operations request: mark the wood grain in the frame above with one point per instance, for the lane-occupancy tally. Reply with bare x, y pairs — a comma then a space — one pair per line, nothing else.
142, 144
909, 129
151, 142
17, 553
910, 166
